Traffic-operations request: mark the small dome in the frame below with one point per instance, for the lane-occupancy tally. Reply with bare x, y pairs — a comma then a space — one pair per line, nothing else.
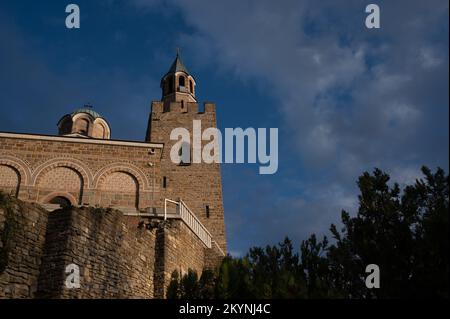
84, 122
87, 110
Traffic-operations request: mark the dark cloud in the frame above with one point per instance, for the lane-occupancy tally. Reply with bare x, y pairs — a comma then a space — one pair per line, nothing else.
352, 98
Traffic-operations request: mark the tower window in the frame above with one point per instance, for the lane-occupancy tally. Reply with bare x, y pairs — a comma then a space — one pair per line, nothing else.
192, 86
207, 211
164, 182
181, 81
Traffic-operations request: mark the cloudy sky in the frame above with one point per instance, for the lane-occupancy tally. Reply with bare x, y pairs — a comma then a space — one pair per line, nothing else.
345, 98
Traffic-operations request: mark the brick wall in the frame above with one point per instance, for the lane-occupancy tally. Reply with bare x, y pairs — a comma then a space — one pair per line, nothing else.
119, 189
58, 166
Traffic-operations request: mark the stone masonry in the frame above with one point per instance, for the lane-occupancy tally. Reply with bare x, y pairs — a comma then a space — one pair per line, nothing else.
118, 256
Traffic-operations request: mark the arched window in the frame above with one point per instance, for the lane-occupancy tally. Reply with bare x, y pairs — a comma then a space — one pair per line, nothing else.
66, 126
192, 86
181, 81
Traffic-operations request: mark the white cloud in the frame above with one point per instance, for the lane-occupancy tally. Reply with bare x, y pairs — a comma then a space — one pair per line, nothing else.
428, 58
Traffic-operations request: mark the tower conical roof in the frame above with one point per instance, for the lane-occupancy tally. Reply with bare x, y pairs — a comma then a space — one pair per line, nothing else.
178, 66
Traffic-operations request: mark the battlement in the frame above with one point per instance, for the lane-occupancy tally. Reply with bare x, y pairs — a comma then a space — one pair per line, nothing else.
181, 107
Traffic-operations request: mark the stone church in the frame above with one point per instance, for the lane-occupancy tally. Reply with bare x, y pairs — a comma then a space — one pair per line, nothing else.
121, 211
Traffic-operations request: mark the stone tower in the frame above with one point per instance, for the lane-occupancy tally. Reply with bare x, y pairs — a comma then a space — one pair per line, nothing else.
197, 184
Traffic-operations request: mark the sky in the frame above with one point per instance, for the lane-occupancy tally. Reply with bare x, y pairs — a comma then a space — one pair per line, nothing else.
346, 99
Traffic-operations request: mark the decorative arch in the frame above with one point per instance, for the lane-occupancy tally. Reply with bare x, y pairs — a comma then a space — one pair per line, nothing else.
100, 123
131, 169
72, 163
68, 196
84, 116
20, 166
181, 80
9, 180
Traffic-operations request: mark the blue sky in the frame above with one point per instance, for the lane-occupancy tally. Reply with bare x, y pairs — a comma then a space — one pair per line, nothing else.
345, 99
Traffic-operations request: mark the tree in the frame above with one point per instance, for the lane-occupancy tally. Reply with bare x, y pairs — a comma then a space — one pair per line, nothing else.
405, 233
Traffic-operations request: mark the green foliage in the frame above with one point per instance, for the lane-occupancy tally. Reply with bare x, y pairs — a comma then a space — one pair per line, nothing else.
173, 290
190, 287
405, 233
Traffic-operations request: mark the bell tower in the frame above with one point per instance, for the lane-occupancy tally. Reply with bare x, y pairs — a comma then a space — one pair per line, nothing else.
199, 185
177, 84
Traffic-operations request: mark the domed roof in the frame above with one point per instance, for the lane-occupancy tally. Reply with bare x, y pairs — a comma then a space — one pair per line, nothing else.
87, 110
73, 125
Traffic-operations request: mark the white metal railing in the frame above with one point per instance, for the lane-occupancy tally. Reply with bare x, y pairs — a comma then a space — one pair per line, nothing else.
220, 249
191, 221
165, 206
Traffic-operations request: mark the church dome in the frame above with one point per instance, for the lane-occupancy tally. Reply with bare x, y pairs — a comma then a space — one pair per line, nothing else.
84, 122
87, 110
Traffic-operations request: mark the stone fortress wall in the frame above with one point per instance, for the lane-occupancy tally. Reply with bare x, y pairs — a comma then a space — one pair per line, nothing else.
118, 256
